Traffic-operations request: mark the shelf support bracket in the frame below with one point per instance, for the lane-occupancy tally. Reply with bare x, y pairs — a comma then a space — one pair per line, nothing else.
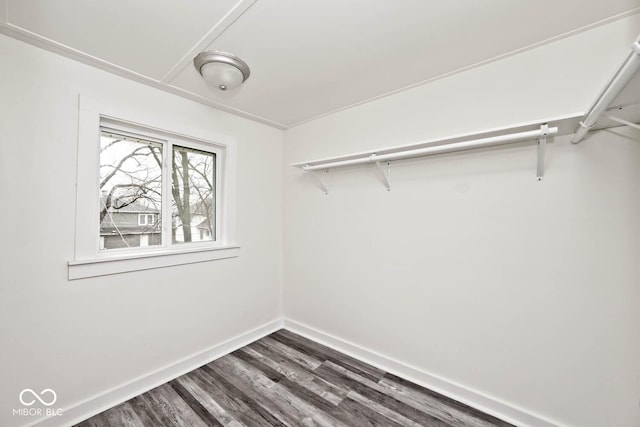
624, 122
384, 175
542, 143
321, 177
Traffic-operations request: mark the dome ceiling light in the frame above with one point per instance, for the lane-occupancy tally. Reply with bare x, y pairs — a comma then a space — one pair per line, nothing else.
221, 71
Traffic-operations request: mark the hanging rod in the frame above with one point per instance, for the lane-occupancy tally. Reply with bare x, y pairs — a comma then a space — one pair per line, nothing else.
624, 74
418, 150
438, 149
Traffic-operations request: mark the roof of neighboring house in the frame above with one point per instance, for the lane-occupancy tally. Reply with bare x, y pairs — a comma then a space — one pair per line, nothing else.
204, 225
111, 225
133, 207
108, 224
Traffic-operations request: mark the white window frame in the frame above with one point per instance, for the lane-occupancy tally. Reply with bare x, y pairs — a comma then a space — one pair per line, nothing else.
89, 260
167, 142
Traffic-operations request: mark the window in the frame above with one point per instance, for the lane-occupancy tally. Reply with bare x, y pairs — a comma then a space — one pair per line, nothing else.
146, 219
132, 181
148, 197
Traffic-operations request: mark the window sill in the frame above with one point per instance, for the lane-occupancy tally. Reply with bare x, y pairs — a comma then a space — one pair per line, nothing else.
81, 269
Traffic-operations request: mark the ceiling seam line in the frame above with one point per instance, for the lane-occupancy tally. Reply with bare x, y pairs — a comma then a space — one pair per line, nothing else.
220, 28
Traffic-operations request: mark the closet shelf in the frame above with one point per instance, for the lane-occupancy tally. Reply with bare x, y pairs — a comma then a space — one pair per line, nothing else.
535, 131
618, 104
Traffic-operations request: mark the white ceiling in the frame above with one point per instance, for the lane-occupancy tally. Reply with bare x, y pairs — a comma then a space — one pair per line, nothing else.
307, 58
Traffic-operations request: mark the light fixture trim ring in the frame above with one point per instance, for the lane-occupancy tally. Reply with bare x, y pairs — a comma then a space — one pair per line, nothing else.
207, 57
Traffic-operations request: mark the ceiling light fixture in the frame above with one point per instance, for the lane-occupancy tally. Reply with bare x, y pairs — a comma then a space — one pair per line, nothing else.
220, 70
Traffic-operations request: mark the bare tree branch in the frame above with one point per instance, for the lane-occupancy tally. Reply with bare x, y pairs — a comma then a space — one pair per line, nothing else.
118, 167
115, 141
131, 198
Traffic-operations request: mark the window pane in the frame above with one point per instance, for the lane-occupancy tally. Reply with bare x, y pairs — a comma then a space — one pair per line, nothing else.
130, 191
193, 189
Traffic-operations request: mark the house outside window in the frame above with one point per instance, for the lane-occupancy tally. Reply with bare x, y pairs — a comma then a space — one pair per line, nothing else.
120, 230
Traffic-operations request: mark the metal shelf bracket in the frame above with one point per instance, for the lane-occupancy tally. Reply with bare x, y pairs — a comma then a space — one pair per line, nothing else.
542, 143
321, 177
384, 175
621, 121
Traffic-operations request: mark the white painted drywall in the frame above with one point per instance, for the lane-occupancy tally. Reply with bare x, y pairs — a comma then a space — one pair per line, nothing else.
85, 337
470, 269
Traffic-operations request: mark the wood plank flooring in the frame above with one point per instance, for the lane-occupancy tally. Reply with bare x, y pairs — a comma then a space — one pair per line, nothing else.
287, 380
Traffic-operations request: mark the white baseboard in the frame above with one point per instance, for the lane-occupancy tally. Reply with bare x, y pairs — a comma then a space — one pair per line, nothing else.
95, 405
463, 394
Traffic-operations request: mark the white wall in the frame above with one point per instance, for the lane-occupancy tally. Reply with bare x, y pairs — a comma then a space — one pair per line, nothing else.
470, 269
84, 337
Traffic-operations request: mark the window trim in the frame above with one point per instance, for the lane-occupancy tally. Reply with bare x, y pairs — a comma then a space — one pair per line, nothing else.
81, 269
89, 260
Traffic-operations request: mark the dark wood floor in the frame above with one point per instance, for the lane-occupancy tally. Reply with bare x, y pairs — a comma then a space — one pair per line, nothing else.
287, 380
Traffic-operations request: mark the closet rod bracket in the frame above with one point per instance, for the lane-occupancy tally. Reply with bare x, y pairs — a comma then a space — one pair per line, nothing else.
321, 178
542, 143
621, 121
384, 175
